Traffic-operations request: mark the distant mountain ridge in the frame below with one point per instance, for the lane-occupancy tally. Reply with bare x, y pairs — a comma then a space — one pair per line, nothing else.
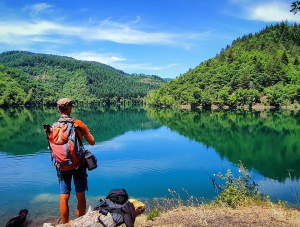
42, 78
260, 68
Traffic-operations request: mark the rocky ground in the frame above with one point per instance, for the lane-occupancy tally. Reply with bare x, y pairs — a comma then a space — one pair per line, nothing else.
244, 216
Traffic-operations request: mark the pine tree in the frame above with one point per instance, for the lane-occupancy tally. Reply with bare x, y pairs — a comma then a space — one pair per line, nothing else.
284, 58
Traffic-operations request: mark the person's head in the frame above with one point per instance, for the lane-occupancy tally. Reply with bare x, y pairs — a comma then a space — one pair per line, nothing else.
64, 105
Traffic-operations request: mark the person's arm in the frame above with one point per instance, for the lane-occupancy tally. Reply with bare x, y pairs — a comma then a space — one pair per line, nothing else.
90, 138
85, 131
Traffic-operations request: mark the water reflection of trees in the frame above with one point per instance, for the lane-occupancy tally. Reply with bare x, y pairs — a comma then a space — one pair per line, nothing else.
21, 129
266, 141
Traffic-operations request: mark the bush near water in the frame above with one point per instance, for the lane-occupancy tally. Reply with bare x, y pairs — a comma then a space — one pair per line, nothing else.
260, 68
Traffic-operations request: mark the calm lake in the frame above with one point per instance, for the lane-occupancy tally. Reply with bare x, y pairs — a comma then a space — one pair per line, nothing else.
148, 152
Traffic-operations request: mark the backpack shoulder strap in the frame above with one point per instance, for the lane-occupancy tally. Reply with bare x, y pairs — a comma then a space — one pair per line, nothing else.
65, 118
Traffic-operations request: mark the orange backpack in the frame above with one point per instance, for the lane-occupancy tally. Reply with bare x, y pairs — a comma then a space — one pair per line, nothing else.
65, 145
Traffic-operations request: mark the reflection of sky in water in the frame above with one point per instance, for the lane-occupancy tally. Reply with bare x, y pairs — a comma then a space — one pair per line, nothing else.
287, 191
145, 163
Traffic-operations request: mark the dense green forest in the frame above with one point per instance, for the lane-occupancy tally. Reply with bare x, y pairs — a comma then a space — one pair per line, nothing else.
243, 135
31, 79
260, 68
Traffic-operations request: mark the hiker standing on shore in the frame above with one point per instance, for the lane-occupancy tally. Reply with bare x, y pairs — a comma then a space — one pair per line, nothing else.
65, 140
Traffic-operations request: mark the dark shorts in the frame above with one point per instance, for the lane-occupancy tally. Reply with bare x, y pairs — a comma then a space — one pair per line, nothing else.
79, 178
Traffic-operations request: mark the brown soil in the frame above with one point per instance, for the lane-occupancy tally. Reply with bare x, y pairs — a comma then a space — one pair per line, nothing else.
219, 217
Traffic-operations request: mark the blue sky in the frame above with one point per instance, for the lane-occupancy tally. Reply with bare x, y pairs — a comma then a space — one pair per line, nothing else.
160, 37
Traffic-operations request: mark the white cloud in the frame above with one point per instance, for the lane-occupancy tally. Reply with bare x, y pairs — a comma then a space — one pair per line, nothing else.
274, 11
108, 59
116, 60
37, 9
21, 29
266, 11
14, 32
107, 30
144, 66
47, 40
40, 7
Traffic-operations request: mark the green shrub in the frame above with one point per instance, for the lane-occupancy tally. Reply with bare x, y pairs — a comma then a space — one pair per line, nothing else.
237, 191
154, 213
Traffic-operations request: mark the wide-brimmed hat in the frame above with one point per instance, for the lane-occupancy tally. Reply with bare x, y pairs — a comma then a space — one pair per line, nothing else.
64, 102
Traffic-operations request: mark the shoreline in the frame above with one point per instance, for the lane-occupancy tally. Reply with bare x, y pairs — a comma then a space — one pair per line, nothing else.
213, 107
269, 214
256, 107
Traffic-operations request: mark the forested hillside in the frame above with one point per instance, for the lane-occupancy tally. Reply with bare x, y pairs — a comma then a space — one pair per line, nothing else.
260, 68
42, 79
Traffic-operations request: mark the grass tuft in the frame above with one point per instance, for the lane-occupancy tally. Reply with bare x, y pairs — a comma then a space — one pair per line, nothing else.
154, 213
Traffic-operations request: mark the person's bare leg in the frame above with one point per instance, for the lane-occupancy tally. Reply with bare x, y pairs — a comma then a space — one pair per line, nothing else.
64, 207
81, 204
